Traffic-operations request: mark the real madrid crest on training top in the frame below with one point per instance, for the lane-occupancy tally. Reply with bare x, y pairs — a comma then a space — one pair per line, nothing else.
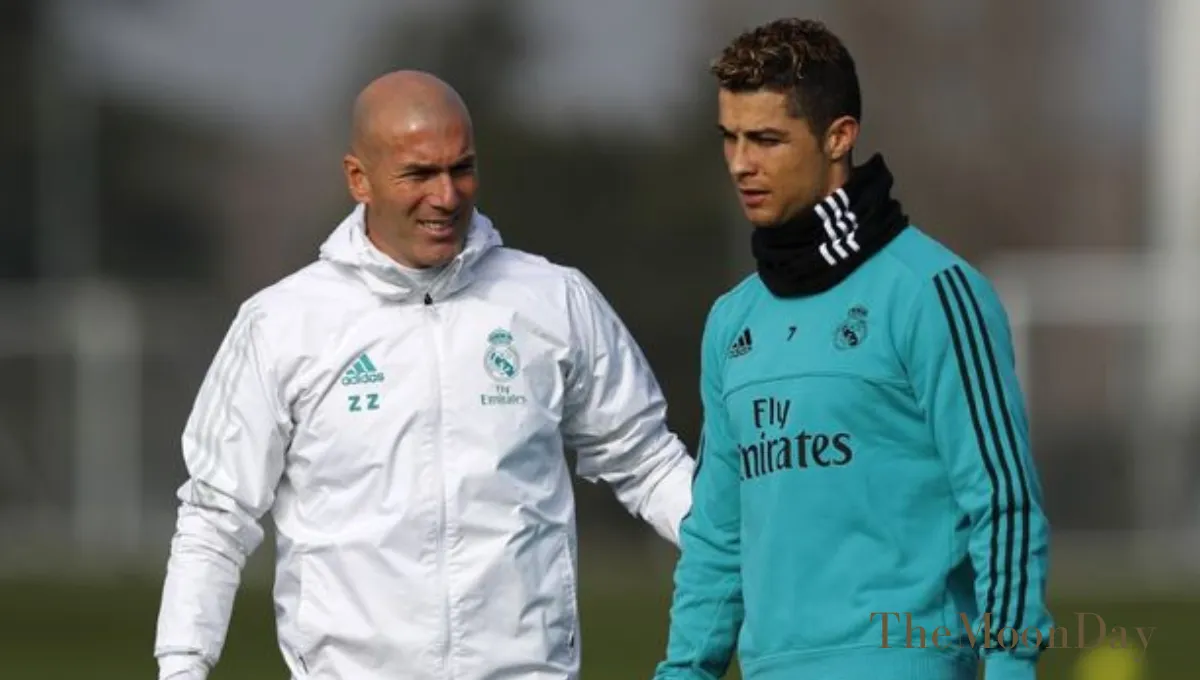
502, 364
853, 331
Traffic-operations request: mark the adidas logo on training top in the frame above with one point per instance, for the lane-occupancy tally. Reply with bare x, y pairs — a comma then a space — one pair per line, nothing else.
742, 345
362, 372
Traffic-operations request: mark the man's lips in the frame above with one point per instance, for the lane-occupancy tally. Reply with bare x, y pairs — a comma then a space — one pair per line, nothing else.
437, 228
753, 197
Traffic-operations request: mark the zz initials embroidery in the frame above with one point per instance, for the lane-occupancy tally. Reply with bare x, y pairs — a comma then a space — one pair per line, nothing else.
356, 402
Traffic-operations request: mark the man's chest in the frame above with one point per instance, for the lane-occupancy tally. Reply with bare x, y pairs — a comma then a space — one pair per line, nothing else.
417, 356
781, 342
817, 390
474, 390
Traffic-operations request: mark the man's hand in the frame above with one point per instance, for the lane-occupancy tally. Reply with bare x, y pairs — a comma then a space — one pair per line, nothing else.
182, 667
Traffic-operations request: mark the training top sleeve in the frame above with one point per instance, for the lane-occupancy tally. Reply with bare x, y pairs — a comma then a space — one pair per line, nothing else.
233, 449
707, 611
615, 415
960, 357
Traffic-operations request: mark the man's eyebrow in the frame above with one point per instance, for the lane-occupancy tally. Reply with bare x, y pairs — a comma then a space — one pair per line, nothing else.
417, 167
756, 133
467, 159
766, 132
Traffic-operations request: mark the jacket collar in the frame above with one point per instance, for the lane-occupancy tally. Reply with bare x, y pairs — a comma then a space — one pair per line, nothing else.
348, 246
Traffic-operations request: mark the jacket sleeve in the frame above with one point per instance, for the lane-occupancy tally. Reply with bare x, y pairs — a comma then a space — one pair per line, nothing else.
233, 448
960, 357
707, 611
615, 416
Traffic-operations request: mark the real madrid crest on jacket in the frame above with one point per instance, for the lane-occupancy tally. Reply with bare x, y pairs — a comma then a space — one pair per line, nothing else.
411, 444
503, 364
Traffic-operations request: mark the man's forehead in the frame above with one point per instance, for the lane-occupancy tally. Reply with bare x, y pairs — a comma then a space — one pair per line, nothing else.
753, 110
433, 137
434, 147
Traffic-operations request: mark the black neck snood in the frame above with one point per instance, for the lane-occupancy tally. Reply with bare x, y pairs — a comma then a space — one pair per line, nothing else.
820, 247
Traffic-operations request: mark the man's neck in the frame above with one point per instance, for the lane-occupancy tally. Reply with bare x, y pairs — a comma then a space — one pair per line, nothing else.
839, 175
384, 245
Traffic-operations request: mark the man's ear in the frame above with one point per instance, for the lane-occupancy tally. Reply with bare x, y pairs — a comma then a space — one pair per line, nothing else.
841, 138
357, 181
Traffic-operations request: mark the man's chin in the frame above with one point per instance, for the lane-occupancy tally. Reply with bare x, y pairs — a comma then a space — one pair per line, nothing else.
762, 219
438, 253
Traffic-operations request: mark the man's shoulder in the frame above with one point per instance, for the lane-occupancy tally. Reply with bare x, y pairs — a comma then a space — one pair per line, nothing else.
737, 298
534, 275
315, 288
508, 263
319, 278
919, 259
924, 271
729, 311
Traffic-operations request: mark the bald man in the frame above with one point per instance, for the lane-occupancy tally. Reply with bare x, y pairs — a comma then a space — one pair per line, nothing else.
401, 408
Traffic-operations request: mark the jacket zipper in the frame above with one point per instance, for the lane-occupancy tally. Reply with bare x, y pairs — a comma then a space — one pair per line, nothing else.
441, 527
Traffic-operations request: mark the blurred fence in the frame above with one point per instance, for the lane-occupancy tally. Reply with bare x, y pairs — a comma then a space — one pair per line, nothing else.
99, 376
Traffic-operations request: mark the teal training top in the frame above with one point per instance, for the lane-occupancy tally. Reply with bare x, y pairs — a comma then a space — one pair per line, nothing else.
864, 463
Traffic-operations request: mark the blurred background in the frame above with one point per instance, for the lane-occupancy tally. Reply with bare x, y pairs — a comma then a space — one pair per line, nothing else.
161, 161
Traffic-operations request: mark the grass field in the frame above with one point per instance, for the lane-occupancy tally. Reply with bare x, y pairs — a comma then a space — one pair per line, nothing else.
101, 631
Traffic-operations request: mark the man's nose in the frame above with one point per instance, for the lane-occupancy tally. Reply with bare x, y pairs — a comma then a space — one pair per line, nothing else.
443, 193
740, 162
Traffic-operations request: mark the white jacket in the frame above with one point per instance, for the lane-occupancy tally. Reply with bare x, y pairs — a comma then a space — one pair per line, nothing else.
410, 450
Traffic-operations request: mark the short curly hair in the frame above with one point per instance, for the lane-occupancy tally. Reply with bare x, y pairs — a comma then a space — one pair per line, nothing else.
800, 57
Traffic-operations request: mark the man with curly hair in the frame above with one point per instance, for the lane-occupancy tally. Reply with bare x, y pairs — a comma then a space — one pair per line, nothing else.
865, 503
